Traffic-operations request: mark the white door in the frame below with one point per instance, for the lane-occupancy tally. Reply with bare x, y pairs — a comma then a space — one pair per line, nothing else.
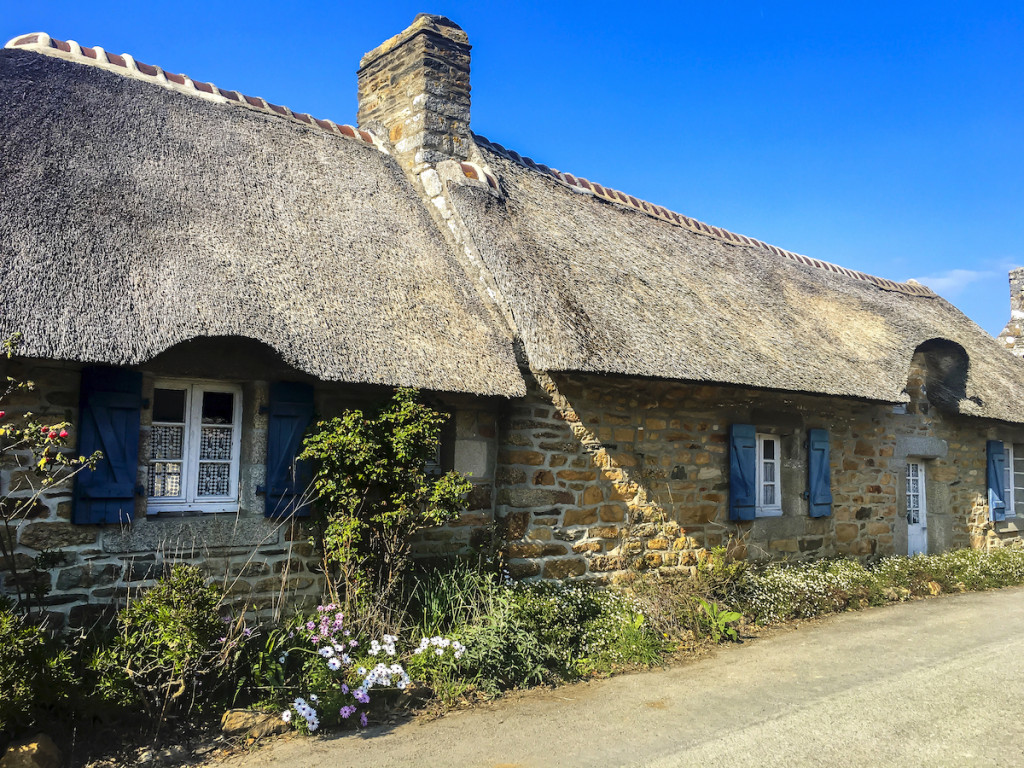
917, 512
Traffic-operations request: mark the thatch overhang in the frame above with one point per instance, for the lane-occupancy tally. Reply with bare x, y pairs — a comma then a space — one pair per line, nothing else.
134, 217
628, 288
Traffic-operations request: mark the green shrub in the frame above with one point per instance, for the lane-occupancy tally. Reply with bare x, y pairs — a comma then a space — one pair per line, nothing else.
476, 607
523, 634
36, 678
718, 623
373, 491
689, 609
584, 629
165, 655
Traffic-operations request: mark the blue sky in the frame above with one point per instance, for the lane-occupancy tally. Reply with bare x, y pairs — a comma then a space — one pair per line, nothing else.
886, 137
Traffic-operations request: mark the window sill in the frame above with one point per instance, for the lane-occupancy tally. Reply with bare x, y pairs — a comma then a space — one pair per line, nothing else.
185, 510
768, 512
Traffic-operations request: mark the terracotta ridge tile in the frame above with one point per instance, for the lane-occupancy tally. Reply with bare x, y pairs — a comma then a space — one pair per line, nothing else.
679, 220
125, 64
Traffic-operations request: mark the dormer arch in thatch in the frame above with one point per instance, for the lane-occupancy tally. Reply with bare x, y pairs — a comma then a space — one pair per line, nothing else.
939, 373
233, 357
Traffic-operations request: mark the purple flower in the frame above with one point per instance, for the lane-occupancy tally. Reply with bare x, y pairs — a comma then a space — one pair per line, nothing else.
362, 719
344, 688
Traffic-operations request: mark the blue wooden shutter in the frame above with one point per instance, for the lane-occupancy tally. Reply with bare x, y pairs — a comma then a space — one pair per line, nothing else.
819, 473
291, 411
742, 472
110, 405
996, 479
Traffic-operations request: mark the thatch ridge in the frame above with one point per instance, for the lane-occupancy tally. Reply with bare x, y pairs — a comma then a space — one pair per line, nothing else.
134, 218
606, 288
678, 219
126, 65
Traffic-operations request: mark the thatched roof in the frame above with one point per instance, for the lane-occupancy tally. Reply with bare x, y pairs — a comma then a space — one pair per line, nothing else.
613, 287
134, 217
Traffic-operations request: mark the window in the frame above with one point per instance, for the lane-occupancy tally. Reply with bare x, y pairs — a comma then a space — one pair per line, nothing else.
917, 509
1013, 479
769, 490
194, 447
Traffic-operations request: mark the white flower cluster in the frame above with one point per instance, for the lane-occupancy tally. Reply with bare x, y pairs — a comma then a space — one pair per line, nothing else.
382, 675
336, 656
781, 592
440, 644
305, 711
387, 645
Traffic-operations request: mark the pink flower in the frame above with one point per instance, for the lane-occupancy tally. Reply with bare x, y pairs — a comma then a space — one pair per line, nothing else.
63, 432
2, 414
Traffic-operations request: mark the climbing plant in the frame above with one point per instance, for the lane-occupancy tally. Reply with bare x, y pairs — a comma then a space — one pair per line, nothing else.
373, 491
37, 450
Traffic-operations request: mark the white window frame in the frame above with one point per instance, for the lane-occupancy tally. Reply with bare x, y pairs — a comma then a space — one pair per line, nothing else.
922, 503
190, 501
1011, 489
761, 509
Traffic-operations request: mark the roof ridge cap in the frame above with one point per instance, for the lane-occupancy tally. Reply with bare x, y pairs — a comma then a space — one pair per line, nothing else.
126, 66
578, 183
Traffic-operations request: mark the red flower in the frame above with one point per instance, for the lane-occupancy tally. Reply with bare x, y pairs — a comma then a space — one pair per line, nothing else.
2, 414
44, 430
63, 433
52, 435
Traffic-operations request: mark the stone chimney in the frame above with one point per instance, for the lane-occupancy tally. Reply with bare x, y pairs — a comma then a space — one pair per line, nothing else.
1014, 330
414, 89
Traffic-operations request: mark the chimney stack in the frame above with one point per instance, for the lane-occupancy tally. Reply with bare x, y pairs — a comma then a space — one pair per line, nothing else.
414, 89
1011, 334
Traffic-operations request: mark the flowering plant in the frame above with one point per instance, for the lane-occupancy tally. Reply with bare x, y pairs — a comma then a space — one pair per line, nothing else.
344, 672
42, 447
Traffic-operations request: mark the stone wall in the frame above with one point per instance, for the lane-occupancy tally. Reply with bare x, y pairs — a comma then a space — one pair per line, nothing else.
586, 477
260, 562
597, 475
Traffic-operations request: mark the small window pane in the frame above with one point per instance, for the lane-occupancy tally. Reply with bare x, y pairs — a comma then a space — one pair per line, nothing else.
215, 443
214, 479
218, 407
769, 449
165, 442
169, 405
769, 495
769, 471
164, 479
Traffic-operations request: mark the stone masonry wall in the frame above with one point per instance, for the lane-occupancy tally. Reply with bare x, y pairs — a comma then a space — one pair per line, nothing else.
261, 563
597, 475
475, 455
